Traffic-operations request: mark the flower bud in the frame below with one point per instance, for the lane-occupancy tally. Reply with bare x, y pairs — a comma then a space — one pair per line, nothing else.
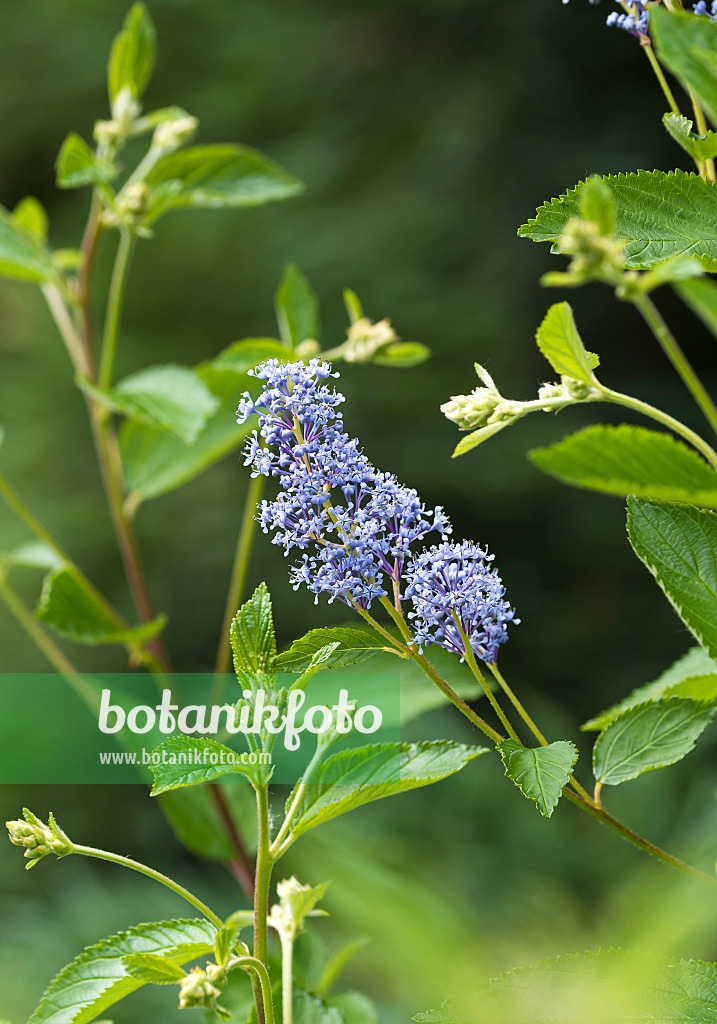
170, 135
37, 838
307, 349
365, 339
125, 111
578, 390
197, 988
551, 391
472, 411
594, 255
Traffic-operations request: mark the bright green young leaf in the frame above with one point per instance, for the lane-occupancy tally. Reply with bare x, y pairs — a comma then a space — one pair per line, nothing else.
559, 341
699, 147
476, 437
336, 963
169, 397
354, 646
98, 977
252, 638
156, 461
678, 544
31, 215
194, 817
692, 675
596, 203
659, 215
74, 611
186, 762
670, 271
353, 305
149, 121
402, 354
297, 308
688, 47
630, 460
149, 968
540, 773
358, 776
221, 175
649, 736
701, 296
77, 165
355, 1007
132, 57
33, 554
22, 254
241, 918
243, 355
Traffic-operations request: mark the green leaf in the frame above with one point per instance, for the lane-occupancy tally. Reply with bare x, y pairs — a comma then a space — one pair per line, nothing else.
597, 204
354, 646
701, 296
98, 977
74, 611
699, 147
659, 215
358, 776
22, 254
478, 436
540, 773
221, 175
686, 678
630, 460
185, 763
678, 544
252, 639
155, 461
244, 355
198, 825
241, 918
353, 305
132, 56
337, 962
77, 165
33, 554
224, 943
688, 47
297, 308
649, 736
355, 1008
152, 969
402, 353
169, 397
559, 341
31, 215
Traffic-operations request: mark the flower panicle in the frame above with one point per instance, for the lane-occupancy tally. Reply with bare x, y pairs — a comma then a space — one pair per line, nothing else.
37, 838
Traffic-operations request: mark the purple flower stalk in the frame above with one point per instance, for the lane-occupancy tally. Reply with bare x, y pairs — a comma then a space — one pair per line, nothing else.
450, 586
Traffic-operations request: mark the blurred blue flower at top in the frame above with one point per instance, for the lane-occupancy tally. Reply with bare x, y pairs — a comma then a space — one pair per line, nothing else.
701, 8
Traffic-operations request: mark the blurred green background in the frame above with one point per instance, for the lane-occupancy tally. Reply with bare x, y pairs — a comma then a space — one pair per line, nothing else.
426, 132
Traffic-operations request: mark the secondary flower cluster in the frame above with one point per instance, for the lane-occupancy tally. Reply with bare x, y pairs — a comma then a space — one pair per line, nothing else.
636, 21
354, 524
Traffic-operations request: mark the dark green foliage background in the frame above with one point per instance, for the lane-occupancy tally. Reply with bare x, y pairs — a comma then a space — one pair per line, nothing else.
426, 132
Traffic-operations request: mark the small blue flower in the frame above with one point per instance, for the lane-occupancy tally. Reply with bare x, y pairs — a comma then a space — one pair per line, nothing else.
701, 8
451, 584
636, 23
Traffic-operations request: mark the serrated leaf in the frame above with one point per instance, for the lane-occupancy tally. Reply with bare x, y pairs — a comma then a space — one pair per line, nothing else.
678, 544
699, 147
297, 308
74, 611
402, 354
31, 215
685, 678
156, 461
132, 56
22, 254
701, 296
169, 397
687, 46
252, 638
224, 942
186, 761
77, 165
358, 776
597, 204
152, 969
659, 215
221, 175
630, 460
198, 825
354, 646
540, 773
98, 977
649, 736
559, 341
33, 554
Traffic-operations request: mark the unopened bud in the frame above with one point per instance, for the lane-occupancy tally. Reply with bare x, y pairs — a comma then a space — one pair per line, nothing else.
125, 111
197, 989
37, 838
171, 135
578, 390
469, 412
366, 338
594, 255
550, 391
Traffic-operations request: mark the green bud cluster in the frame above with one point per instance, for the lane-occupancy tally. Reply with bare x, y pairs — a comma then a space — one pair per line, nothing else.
595, 255
201, 987
37, 838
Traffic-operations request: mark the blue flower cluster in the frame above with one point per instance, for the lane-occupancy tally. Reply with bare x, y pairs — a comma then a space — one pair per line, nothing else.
354, 523
455, 594
637, 21
702, 8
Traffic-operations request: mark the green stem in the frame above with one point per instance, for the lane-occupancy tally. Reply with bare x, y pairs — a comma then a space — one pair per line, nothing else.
262, 985
708, 166
90, 239
115, 298
262, 878
473, 666
422, 661
127, 862
507, 690
276, 850
674, 353
237, 582
287, 977
659, 74
398, 618
661, 417
73, 342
